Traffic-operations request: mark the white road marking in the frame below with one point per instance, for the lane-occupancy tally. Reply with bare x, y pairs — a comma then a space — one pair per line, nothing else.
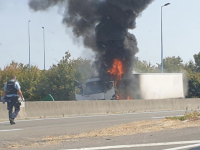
139, 145
10, 130
183, 147
167, 116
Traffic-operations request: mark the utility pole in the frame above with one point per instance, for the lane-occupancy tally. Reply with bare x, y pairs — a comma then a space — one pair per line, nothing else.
44, 45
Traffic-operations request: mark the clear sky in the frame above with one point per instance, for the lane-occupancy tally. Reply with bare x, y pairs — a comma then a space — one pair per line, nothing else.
181, 33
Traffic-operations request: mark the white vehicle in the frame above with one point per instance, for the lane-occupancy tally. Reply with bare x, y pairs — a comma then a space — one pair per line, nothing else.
147, 86
160, 86
94, 90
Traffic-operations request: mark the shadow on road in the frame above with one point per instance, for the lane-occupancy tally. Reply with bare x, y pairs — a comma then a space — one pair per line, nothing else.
196, 148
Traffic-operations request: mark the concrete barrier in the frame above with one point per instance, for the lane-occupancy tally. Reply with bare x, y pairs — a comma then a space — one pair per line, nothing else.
74, 108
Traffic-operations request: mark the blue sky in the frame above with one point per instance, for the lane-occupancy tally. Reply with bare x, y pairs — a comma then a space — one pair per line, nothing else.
181, 33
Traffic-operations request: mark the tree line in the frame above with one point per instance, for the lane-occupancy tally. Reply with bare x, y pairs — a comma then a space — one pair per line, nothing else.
59, 79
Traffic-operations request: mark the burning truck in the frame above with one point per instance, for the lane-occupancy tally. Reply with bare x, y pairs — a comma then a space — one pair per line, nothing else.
145, 86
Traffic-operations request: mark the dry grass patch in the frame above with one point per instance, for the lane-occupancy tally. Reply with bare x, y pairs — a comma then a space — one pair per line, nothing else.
191, 116
130, 129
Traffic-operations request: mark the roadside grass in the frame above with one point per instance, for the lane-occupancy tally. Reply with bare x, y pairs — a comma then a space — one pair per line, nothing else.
191, 116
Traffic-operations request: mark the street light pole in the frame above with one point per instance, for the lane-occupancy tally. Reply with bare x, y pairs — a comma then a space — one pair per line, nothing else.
29, 45
44, 45
162, 38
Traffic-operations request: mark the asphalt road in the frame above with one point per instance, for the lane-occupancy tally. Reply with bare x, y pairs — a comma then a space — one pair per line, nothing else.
32, 130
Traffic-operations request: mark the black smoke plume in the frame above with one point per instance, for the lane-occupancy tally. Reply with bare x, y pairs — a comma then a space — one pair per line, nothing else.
103, 25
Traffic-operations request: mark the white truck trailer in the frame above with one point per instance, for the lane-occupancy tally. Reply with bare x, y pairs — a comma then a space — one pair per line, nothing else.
147, 86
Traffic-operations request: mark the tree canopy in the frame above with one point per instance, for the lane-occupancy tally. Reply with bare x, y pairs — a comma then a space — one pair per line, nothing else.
59, 79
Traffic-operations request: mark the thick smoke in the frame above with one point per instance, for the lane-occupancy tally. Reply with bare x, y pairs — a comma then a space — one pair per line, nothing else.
103, 25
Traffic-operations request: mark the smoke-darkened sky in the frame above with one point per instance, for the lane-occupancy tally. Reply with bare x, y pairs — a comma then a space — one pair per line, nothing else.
104, 26
181, 33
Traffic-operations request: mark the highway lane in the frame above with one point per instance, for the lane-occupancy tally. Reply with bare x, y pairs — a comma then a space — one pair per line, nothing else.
73, 125
28, 130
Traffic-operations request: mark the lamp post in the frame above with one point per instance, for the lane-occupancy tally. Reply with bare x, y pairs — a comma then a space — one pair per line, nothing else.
44, 45
162, 38
29, 45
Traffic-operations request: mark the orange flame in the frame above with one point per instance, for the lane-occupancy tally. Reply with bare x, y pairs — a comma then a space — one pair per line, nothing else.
117, 70
119, 97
